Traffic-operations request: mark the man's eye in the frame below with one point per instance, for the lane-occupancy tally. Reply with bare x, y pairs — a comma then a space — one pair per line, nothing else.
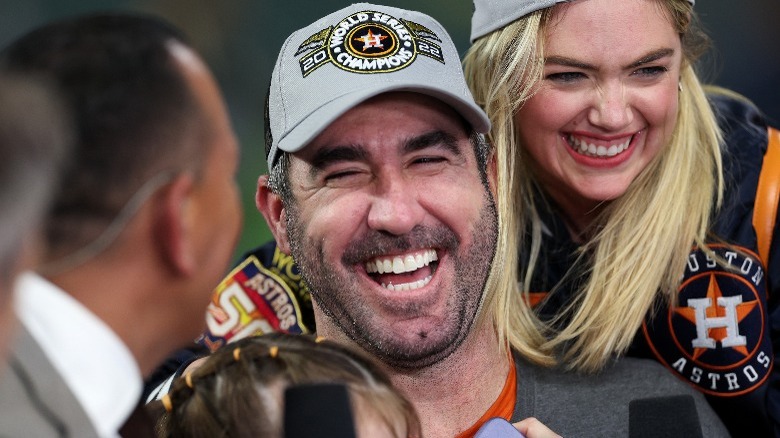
334, 176
346, 178
428, 160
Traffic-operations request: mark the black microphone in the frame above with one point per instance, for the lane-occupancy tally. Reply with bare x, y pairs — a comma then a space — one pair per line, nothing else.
659, 417
318, 410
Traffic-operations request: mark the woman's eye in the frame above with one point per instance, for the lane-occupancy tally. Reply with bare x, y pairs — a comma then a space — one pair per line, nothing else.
650, 72
565, 77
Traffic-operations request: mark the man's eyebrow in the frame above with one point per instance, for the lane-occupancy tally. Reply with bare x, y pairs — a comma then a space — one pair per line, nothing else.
329, 155
440, 139
648, 58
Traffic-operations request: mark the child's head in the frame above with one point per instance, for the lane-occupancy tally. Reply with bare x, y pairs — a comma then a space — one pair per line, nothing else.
238, 391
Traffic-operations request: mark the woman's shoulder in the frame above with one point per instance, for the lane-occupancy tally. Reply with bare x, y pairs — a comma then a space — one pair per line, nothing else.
742, 123
745, 139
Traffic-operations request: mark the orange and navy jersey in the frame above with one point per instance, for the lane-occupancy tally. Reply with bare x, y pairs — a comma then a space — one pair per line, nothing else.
719, 336
264, 293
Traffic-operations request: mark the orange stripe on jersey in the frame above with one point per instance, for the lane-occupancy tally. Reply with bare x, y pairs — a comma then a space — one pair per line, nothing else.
767, 196
503, 407
534, 298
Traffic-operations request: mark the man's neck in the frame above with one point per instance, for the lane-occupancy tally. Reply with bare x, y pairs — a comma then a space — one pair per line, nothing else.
116, 295
452, 395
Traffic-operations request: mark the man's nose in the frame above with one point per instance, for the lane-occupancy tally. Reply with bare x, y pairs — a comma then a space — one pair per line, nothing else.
395, 206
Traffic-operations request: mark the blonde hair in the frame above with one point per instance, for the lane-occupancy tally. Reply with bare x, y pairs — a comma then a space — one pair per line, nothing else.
237, 391
673, 197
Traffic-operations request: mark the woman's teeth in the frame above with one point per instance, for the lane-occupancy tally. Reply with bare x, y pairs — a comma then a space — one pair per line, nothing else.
592, 150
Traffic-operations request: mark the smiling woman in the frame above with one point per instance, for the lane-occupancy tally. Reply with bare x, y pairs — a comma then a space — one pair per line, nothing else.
617, 172
611, 91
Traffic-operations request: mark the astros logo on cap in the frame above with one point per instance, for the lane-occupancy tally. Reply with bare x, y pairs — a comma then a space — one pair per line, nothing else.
369, 42
715, 337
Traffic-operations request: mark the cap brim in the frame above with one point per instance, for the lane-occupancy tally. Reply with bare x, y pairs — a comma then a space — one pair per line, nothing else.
320, 118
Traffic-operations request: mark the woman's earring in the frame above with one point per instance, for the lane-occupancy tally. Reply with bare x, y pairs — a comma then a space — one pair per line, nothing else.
679, 86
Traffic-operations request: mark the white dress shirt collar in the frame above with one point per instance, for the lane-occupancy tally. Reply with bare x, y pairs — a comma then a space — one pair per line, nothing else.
96, 365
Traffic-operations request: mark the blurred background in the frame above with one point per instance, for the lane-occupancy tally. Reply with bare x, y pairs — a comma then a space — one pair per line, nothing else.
240, 40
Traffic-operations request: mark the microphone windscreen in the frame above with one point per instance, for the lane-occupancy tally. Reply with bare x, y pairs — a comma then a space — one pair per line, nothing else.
317, 410
658, 417
498, 428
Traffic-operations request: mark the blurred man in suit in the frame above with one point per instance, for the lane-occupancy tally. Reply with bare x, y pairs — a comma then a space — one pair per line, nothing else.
33, 143
142, 229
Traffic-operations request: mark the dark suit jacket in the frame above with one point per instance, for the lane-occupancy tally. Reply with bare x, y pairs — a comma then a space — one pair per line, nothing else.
34, 400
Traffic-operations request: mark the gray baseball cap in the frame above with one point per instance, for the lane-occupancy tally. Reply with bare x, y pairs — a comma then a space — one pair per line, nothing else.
351, 55
490, 15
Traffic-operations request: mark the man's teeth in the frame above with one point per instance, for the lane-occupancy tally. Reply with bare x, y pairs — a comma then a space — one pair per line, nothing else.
592, 150
408, 286
401, 264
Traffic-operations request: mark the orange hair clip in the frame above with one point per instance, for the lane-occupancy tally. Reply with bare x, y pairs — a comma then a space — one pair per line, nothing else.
166, 401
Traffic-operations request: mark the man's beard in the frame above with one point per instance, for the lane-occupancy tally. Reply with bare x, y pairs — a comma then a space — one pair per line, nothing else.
336, 293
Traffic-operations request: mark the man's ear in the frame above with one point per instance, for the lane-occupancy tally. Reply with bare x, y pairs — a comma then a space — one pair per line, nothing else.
174, 227
270, 205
